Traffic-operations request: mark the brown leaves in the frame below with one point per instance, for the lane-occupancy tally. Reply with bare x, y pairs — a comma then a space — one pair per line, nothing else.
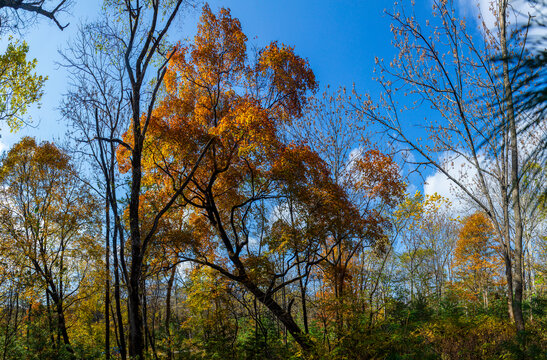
379, 176
44, 156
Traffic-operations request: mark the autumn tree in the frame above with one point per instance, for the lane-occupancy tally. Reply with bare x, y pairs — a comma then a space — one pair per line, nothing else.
215, 145
144, 26
49, 219
19, 85
373, 183
427, 240
476, 257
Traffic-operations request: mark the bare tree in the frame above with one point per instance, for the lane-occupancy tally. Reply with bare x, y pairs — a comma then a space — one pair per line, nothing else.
97, 109
441, 65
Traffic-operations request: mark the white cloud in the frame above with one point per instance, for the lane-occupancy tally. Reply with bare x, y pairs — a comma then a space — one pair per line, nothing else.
475, 8
519, 13
439, 183
3, 147
464, 172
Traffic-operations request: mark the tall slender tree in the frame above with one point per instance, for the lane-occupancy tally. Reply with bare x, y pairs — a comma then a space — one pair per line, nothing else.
97, 111
145, 25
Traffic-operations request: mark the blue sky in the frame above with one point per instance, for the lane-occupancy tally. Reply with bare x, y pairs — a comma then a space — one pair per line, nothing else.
340, 38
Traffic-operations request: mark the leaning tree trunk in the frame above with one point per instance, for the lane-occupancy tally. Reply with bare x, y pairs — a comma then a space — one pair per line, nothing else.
282, 315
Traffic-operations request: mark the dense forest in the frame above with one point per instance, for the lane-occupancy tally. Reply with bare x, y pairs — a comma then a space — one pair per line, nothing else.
212, 201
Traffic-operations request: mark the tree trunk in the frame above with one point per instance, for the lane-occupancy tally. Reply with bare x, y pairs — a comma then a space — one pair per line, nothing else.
107, 280
117, 300
509, 278
49, 319
136, 338
515, 190
118, 233
304, 302
136, 334
61, 323
168, 313
282, 315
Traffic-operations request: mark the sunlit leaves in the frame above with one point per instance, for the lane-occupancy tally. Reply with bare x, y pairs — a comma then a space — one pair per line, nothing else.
289, 76
19, 85
476, 258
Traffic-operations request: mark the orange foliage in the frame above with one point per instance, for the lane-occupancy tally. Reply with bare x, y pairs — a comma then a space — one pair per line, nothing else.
221, 114
476, 258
